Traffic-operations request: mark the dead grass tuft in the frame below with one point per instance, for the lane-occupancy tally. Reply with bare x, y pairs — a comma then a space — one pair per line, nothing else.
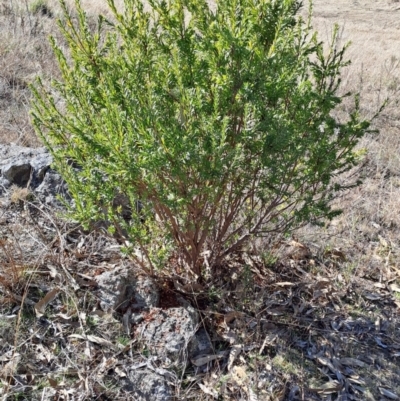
20, 195
13, 269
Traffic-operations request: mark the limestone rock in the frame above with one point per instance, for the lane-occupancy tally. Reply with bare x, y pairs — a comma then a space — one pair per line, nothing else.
146, 385
19, 165
170, 333
203, 343
120, 288
31, 167
17, 173
51, 186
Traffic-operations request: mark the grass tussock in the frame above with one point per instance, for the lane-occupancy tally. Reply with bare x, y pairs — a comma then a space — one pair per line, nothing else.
20, 195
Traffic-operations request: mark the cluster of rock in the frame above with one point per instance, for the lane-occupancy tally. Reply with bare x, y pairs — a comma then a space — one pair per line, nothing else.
172, 335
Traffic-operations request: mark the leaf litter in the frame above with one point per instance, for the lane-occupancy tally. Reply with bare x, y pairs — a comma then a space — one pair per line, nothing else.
288, 331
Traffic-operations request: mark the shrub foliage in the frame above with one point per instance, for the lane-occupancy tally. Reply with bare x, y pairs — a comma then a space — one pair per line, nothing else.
215, 124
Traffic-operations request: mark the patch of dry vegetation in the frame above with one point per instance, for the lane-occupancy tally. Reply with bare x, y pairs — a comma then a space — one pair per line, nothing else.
312, 322
371, 212
25, 53
291, 327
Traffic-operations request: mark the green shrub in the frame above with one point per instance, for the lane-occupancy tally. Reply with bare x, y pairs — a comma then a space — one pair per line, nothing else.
219, 122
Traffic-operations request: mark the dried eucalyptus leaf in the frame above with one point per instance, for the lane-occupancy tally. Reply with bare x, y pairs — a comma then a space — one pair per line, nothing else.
388, 393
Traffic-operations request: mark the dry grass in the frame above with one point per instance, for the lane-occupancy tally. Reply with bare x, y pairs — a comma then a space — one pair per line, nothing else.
25, 53
354, 262
20, 195
372, 211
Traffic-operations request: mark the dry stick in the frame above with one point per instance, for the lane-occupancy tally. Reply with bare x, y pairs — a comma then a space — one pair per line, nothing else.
217, 206
234, 210
166, 214
285, 223
190, 241
29, 15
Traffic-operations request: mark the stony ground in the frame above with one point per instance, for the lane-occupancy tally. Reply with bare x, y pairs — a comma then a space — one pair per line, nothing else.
289, 324
314, 317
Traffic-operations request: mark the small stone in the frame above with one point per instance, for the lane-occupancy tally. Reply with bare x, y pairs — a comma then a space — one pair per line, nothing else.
136, 318
204, 344
147, 386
